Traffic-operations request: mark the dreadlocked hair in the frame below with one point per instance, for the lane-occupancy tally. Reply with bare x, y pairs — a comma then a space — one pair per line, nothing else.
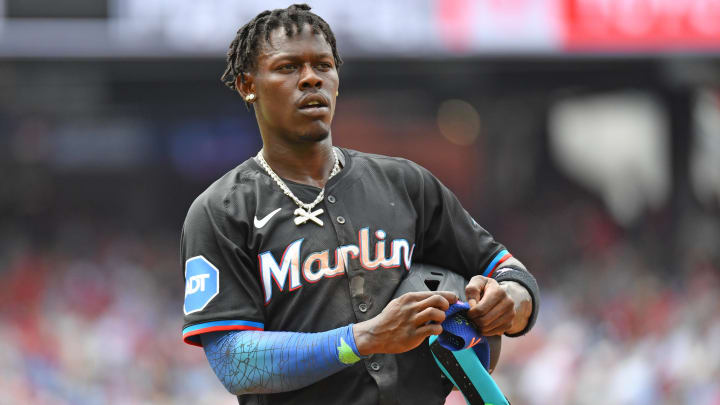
242, 54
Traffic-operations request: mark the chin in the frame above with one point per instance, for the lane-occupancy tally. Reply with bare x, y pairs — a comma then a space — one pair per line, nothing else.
317, 134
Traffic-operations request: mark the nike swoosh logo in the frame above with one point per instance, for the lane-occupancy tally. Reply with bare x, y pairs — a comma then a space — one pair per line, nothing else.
259, 223
501, 271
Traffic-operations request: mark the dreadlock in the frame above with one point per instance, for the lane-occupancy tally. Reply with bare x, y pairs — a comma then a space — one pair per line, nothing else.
242, 54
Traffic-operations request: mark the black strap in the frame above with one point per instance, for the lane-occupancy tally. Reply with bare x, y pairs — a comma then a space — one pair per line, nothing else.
446, 358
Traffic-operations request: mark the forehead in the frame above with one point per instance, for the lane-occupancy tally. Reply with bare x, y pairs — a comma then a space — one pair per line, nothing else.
300, 43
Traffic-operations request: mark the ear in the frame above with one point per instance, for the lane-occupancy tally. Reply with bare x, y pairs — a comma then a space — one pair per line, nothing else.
244, 84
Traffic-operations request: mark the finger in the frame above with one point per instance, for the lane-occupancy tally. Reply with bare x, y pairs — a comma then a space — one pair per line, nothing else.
430, 329
429, 314
490, 298
434, 301
474, 289
499, 312
499, 330
450, 296
491, 324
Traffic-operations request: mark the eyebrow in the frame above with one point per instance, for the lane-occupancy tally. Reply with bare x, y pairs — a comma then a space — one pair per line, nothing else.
287, 55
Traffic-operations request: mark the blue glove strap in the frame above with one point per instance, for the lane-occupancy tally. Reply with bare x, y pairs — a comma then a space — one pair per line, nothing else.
459, 333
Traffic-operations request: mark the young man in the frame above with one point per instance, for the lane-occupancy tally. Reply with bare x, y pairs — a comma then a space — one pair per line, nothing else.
291, 258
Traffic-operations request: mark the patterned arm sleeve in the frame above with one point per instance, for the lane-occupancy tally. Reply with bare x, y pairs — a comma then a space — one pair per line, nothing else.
261, 362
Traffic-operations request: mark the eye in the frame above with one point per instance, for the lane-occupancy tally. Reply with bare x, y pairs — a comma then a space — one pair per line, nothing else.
286, 67
325, 65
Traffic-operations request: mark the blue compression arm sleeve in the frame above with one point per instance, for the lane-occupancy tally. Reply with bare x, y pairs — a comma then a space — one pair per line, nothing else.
264, 362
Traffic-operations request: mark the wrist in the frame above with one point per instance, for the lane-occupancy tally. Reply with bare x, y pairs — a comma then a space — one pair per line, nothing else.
363, 338
522, 277
522, 304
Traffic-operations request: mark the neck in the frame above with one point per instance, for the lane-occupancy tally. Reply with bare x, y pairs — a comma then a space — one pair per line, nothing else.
307, 164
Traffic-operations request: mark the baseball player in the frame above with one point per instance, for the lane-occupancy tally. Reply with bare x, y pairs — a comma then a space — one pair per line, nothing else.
291, 259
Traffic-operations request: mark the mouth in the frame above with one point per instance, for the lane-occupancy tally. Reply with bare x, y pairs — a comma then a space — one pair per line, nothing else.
316, 106
314, 103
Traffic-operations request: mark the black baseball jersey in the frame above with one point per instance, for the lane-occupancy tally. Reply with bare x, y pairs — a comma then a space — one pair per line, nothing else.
249, 266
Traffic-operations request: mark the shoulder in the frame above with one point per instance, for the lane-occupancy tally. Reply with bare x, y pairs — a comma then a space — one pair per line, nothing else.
213, 202
389, 165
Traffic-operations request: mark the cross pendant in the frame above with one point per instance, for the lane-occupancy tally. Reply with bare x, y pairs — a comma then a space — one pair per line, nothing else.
303, 216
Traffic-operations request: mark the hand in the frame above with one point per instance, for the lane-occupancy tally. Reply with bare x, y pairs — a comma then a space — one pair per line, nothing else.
498, 308
404, 323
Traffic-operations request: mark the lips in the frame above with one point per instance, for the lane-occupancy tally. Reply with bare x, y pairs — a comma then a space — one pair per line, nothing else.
313, 102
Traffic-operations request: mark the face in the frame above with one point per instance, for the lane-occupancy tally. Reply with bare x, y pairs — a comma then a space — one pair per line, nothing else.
295, 82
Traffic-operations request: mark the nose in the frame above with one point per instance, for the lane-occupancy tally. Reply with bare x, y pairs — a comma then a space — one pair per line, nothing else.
309, 78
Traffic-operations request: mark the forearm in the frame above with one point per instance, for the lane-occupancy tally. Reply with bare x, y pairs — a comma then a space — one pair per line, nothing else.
267, 362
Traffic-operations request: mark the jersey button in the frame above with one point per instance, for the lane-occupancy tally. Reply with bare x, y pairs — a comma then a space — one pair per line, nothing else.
331, 199
340, 220
375, 366
363, 307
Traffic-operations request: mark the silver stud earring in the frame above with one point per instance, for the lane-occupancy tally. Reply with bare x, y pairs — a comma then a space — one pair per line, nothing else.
250, 97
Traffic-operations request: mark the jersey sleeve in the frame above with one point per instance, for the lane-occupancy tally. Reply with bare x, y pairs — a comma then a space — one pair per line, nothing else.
448, 236
221, 290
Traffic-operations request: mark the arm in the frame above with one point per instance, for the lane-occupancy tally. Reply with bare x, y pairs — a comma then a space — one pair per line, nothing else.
267, 362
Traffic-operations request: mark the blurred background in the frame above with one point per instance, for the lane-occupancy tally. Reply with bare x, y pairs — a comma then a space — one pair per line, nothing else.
584, 134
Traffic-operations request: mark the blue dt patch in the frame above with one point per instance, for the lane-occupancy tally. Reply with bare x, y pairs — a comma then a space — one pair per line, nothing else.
202, 284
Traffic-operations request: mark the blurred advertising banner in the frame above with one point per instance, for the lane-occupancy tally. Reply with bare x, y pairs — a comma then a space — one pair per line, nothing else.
382, 28
641, 24
427, 28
